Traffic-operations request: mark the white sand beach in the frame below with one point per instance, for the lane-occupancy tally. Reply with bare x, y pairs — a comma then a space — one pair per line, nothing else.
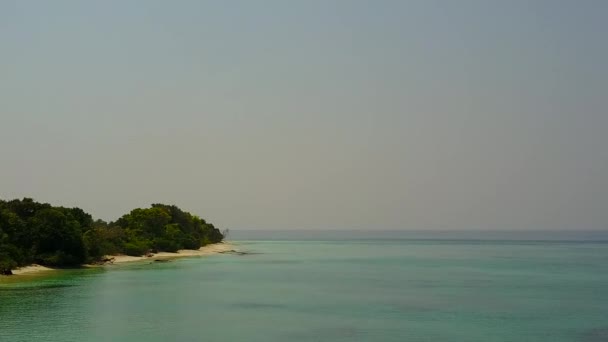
119, 259
203, 251
31, 269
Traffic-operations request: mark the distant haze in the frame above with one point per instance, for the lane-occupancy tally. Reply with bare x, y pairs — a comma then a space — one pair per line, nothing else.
311, 114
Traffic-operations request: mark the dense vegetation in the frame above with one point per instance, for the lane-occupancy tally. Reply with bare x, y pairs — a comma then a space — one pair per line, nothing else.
32, 232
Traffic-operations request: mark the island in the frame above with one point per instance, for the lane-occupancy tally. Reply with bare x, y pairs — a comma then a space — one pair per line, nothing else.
39, 233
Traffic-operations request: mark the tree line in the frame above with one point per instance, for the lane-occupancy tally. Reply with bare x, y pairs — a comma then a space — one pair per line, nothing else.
33, 232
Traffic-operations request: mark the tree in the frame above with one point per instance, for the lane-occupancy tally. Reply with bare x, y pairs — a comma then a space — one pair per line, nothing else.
58, 239
57, 236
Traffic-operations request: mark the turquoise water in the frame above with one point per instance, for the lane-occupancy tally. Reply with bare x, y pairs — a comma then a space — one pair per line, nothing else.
328, 289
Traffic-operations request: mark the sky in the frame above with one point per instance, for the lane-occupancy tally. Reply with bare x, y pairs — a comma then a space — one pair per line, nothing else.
328, 114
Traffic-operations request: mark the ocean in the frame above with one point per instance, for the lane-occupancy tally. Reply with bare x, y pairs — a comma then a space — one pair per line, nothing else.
332, 286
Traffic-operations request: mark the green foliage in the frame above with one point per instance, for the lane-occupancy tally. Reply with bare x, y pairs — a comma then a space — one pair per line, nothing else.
166, 228
32, 232
10, 257
166, 245
104, 240
59, 239
136, 247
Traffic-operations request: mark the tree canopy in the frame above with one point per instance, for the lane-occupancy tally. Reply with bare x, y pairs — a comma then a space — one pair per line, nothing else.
33, 232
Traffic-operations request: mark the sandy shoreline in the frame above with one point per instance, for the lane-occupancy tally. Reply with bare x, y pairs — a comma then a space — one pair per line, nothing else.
119, 259
203, 251
31, 269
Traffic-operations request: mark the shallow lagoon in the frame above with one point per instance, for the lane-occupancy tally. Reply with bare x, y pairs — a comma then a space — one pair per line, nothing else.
328, 289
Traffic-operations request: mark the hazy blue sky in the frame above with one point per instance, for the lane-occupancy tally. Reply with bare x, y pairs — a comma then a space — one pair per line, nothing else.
311, 114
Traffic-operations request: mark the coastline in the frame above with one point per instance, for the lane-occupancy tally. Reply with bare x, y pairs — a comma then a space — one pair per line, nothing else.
216, 248
211, 249
35, 268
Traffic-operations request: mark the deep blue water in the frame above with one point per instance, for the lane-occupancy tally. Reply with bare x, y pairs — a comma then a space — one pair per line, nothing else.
332, 286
